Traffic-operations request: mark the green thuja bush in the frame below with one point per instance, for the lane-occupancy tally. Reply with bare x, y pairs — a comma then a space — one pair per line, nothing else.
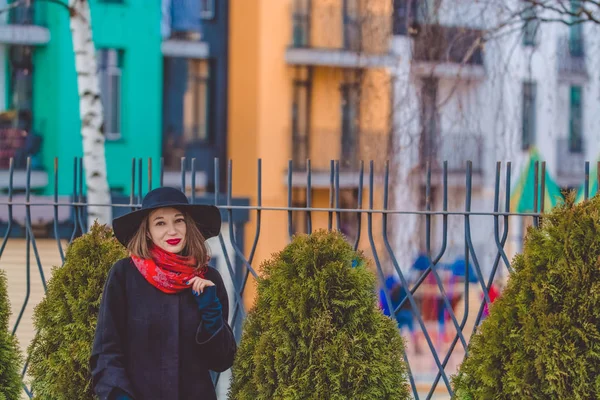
10, 355
542, 338
66, 318
315, 331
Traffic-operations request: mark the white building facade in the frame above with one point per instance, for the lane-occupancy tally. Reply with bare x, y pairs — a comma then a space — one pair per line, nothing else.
476, 83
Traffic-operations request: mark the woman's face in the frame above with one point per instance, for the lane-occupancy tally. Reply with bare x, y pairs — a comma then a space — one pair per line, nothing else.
167, 229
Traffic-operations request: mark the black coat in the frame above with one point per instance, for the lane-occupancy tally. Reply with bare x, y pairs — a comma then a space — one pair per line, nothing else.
148, 343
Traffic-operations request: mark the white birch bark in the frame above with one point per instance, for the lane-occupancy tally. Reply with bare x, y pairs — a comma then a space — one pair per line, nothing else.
91, 113
405, 155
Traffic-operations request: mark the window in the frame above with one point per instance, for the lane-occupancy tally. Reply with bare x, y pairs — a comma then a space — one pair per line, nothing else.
531, 24
576, 31
430, 120
350, 125
300, 118
352, 25
575, 121
529, 111
195, 102
301, 23
207, 9
21, 80
110, 65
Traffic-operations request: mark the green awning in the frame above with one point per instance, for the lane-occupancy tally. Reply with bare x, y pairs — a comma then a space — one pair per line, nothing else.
522, 196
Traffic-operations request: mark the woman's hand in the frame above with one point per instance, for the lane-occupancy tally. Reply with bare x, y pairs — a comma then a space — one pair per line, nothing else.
198, 285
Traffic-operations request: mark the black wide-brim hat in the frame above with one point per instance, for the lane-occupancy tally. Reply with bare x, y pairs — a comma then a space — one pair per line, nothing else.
207, 217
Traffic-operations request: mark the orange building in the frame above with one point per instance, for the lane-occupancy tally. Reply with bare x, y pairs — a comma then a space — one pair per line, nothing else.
307, 79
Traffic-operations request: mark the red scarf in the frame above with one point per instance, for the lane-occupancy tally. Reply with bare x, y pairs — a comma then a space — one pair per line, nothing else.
167, 271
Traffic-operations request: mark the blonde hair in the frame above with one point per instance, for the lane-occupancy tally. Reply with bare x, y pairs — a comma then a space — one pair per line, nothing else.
195, 244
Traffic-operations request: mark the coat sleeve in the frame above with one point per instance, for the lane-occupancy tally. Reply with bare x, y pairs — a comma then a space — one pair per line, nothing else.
107, 362
221, 347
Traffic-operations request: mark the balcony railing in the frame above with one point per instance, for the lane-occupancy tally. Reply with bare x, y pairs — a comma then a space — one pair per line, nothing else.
571, 57
325, 145
444, 44
457, 149
328, 27
570, 157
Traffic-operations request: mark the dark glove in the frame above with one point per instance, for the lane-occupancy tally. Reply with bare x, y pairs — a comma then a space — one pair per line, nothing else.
212, 313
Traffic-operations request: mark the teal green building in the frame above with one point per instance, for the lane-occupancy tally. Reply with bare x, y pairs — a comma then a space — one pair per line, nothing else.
128, 41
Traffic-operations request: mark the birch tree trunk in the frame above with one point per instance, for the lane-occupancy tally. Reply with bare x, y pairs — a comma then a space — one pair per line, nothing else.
405, 156
91, 113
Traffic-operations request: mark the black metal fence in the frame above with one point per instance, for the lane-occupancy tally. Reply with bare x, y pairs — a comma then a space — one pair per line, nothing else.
240, 263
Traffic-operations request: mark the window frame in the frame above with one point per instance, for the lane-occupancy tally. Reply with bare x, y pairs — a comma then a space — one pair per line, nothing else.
107, 70
575, 107
529, 111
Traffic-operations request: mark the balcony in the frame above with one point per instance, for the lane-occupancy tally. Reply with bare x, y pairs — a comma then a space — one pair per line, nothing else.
21, 29
181, 27
456, 149
330, 36
571, 61
326, 145
448, 52
570, 160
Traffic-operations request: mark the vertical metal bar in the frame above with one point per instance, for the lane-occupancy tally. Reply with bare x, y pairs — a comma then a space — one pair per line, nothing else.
256, 237
459, 330
445, 215
428, 209
239, 303
506, 216
536, 192
359, 203
388, 248
290, 213
308, 196
193, 178
597, 178
337, 194
587, 181
56, 235
468, 232
499, 242
74, 201
543, 187
258, 212
80, 215
11, 171
330, 214
28, 223
27, 280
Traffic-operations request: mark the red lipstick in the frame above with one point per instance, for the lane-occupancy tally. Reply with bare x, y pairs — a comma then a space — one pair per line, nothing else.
173, 242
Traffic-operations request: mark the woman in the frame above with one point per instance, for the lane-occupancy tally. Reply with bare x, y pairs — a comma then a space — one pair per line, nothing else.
163, 317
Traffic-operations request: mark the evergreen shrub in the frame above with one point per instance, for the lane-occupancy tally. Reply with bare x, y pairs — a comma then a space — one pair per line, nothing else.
10, 354
66, 318
316, 332
542, 337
